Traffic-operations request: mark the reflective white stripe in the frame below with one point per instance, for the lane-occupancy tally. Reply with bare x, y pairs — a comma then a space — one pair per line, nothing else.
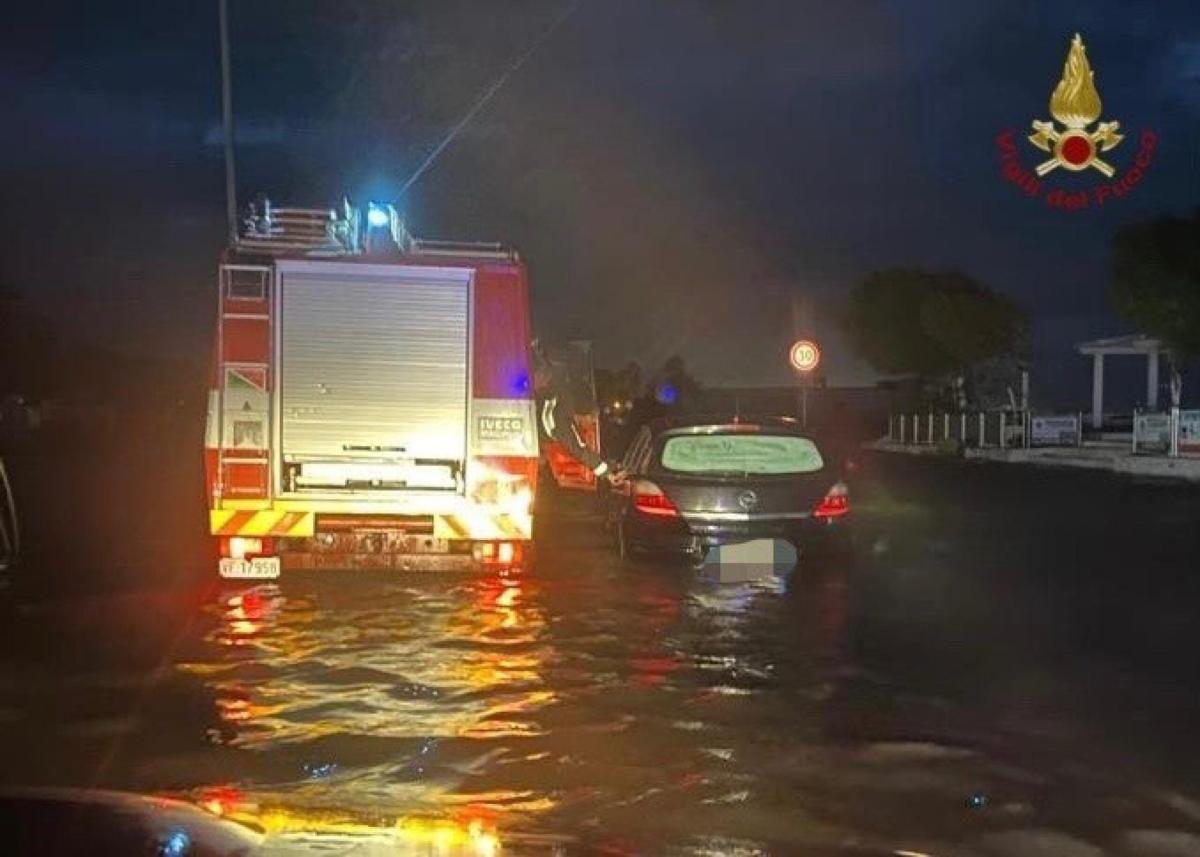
212, 419
548, 416
601, 468
744, 517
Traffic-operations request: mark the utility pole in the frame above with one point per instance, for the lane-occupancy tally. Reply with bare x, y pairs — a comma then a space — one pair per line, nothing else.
227, 117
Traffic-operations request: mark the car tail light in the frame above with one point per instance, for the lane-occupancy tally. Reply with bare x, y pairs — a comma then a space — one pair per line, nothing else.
649, 499
835, 503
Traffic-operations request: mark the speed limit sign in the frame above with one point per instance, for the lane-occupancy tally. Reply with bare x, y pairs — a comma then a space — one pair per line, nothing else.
805, 355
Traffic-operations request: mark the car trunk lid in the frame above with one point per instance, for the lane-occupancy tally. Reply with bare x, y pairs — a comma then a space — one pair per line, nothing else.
741, 472
740, 497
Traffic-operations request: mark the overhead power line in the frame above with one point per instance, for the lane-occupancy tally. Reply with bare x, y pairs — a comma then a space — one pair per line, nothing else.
488, 93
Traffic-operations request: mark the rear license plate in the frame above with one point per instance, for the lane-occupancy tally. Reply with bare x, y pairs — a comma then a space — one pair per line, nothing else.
259, 568
753, 560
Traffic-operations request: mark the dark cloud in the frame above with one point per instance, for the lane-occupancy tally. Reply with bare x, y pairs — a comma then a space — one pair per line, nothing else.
700, 177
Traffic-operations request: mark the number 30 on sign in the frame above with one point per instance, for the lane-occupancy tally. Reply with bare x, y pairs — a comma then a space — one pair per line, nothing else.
805, 355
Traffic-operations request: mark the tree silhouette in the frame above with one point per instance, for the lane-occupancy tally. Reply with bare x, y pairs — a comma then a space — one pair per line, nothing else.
932, 324
1156, 283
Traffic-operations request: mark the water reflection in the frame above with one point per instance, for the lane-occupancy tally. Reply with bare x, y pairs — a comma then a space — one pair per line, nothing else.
602, 700
639, 707
383, 697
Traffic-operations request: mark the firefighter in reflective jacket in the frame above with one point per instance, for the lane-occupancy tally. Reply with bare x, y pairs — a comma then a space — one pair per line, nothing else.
557, 407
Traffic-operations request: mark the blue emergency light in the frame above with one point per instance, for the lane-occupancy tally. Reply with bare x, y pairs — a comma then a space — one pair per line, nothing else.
377, 216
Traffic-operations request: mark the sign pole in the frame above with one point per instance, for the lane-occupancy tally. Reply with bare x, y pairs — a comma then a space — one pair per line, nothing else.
805, 356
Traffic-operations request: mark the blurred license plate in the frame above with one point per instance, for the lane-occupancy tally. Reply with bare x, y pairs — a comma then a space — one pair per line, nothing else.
746, 561
259, 568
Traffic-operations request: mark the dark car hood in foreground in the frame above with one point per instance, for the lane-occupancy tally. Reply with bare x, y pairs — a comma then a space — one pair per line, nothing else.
61, 822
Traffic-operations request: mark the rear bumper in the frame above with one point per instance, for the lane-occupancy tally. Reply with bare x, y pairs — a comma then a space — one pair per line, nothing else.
680, 536
471, 536
460, 521
391, 551
291, 561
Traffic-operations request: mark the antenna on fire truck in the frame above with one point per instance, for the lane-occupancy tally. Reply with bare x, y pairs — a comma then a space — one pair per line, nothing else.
227, 120
487, 94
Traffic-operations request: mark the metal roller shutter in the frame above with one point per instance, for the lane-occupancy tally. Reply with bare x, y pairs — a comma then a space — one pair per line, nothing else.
373, 361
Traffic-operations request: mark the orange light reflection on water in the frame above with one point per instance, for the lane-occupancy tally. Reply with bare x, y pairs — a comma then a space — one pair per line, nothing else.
445, 664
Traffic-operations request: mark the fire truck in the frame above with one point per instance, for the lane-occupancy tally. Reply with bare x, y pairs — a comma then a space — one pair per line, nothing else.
371, 404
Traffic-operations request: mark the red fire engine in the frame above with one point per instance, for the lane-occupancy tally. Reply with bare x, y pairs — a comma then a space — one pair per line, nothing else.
371, 402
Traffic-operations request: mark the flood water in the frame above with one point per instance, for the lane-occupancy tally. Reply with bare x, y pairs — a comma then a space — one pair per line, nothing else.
892, 703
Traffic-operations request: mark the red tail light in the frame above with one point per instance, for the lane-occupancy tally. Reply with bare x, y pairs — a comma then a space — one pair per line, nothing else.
835, 503
649, 499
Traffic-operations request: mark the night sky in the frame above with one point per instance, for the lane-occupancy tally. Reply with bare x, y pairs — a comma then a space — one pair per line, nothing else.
707, 178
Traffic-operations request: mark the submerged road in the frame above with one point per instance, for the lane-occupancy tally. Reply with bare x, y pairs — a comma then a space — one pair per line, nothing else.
1009, 666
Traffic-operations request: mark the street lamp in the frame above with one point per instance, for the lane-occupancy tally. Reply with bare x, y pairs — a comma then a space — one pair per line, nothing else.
805, 357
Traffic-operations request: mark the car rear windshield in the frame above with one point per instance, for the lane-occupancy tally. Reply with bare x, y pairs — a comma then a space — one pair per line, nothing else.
740, 453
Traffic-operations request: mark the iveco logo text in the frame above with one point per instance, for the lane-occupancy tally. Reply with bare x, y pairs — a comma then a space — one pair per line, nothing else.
501, 428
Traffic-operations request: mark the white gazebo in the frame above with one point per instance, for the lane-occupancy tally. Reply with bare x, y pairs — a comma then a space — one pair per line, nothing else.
1132, 344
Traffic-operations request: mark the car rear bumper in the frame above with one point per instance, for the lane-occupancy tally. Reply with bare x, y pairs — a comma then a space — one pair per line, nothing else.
683, 536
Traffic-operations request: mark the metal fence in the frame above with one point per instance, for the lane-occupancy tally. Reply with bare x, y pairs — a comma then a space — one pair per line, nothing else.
985, 429
1153, 432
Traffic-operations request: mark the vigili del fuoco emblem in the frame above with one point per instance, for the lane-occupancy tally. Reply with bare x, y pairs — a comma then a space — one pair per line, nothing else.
1077, 141
1075, 103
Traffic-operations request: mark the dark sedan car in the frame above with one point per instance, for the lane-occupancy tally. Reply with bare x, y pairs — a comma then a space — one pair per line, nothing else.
696, 483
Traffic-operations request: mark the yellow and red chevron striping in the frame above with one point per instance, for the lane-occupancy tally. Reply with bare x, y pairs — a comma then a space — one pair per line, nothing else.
273, 522
240, 522
484, 525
